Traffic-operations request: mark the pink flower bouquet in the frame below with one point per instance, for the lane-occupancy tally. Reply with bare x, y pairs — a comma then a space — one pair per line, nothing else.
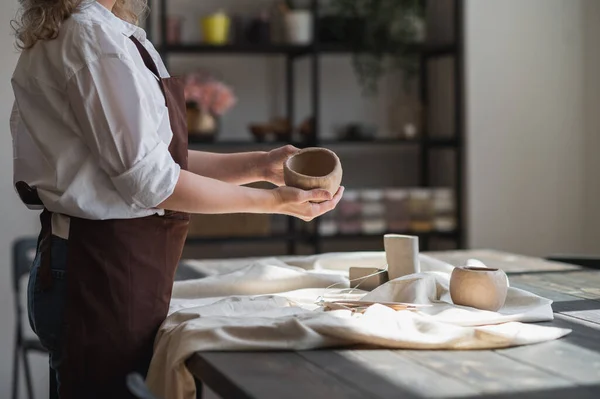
208, 94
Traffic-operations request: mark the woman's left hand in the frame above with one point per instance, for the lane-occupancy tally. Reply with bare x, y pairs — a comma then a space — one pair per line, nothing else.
272, 168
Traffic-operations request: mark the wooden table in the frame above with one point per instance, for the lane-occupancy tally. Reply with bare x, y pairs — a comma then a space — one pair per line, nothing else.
565, 368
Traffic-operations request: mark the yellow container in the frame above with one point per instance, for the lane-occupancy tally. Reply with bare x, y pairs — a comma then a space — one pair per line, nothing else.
215, 28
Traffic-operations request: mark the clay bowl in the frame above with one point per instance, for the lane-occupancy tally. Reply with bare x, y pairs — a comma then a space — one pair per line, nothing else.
478, 287
313, 168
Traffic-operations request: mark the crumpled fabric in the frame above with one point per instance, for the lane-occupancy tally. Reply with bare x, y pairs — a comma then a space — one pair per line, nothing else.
271, 304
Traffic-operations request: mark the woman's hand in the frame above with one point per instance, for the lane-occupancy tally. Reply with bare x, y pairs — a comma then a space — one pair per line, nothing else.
272, 166
199, 194
295, 202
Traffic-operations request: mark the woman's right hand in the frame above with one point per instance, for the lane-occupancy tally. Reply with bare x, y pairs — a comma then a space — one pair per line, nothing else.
295, 202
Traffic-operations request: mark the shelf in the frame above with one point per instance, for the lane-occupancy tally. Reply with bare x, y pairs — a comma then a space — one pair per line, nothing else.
236, 49
246, 239
428, 50
438, 142
306, 237
362, 236
431, 142
240, 143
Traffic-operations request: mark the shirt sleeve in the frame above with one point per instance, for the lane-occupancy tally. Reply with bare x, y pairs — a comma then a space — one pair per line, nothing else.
111, 107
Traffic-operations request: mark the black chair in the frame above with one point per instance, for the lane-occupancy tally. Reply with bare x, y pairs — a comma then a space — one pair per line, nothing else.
23, 255
589, 261
137, 386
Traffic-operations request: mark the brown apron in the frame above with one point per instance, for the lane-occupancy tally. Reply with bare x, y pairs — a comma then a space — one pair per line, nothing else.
120, 277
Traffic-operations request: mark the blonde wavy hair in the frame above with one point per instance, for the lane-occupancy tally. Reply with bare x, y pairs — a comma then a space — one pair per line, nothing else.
41, 19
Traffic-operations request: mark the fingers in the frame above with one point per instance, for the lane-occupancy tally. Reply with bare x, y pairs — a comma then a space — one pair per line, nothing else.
283, 153
289, 149
339, 194
327, 206
307, 205
316, 195
318, 209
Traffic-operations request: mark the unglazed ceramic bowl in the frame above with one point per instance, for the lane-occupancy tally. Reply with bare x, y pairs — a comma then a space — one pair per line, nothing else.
479, 287
313, 168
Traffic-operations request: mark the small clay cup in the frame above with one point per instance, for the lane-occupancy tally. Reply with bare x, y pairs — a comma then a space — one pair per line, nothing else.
478, 287
313, 168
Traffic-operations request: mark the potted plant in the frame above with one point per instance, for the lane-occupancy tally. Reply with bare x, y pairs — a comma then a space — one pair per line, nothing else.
389, 29
207, 100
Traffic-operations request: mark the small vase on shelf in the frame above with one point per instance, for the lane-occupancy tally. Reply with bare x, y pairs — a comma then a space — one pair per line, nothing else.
299, 27
215, 28
207, 100
202, 125
297, 23
174, 29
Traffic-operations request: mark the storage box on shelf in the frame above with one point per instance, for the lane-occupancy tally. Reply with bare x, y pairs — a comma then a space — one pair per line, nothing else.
349, 213
421, 211
279, 224
372, 212
444, 210
328, 225
397, 209
238, 225
234, 225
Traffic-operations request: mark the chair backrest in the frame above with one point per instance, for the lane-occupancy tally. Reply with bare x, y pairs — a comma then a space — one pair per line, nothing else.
24, 251
137, 386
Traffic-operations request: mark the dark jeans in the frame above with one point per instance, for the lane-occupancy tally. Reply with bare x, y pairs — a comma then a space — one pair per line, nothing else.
46, 308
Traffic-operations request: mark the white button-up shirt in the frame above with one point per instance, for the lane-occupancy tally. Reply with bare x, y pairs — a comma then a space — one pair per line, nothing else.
90, 127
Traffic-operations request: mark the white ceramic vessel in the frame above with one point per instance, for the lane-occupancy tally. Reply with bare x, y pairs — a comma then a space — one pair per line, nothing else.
402, 255
299, 27
479, 287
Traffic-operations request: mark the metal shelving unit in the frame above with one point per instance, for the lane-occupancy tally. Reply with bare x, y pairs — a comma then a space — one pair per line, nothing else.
425, 143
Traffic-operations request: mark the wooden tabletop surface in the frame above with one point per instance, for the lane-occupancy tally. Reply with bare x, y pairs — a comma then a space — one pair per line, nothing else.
565, 368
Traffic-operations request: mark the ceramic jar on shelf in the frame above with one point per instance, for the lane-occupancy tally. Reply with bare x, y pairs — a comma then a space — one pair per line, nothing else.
215, 28
421, 211
299, 27
328, 225
397, 209
373, 212
174, 28
349, 213
444, 210
202, 125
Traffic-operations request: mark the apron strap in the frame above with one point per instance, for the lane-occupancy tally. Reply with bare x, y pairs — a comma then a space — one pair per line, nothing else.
45, 248
149, 62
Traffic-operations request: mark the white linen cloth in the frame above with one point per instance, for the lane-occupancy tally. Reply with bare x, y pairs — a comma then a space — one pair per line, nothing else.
90, 127
270, 304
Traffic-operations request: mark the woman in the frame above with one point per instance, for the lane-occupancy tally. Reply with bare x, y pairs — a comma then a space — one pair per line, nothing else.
99, 133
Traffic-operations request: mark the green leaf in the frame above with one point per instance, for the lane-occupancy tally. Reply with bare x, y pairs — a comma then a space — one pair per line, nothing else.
389, 30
